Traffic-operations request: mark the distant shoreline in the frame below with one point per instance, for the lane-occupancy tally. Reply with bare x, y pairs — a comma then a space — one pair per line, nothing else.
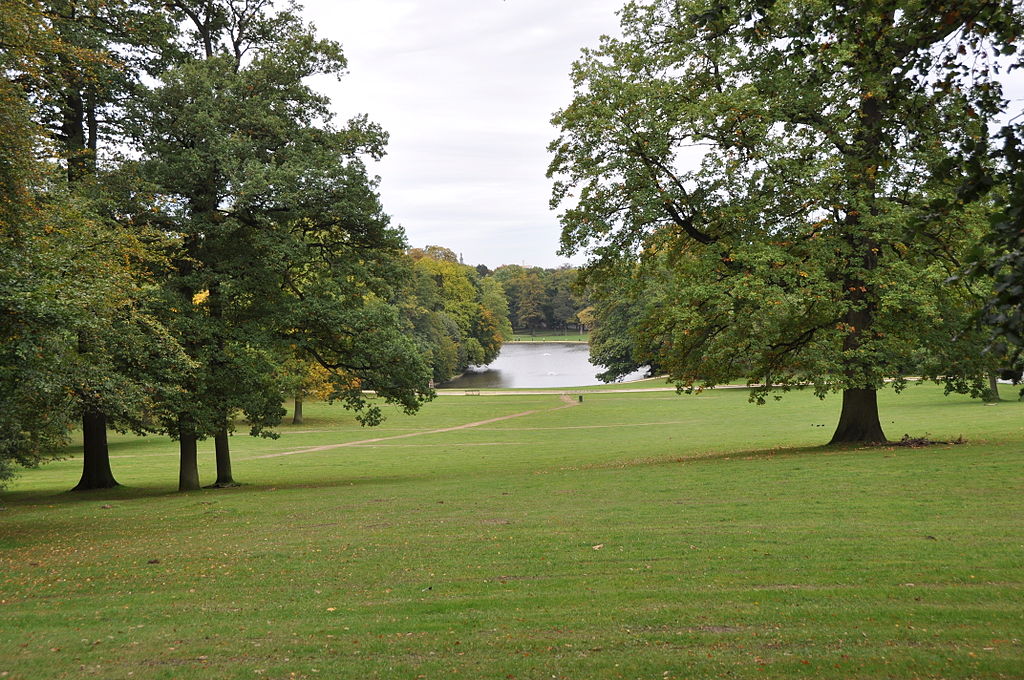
548, 342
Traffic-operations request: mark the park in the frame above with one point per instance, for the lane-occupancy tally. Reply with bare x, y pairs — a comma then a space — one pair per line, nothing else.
302, 377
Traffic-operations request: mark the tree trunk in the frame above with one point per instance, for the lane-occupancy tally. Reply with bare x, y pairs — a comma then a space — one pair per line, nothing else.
858, 421
96, 473
297, 415
188, 470
74, 137
221, 444
223, 449
993, 389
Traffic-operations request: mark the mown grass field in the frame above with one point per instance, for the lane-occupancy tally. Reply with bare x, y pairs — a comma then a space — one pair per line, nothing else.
642, 535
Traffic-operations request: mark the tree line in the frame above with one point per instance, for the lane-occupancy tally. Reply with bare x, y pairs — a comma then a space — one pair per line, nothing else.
188, 236
543, 298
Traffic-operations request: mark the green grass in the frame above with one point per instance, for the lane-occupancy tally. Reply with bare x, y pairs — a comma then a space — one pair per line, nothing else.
631, 536
550, 336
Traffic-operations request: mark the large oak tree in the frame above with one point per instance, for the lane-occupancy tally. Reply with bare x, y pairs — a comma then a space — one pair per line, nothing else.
280, 241
74, 341
786, 172
97, 55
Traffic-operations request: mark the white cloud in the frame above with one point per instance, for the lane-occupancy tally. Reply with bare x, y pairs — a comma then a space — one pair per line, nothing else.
466, 88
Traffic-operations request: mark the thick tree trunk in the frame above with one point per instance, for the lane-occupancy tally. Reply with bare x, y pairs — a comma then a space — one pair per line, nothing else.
297, 415
188, 469
74, 137
96, 473
223, 452
858, 421
993, 389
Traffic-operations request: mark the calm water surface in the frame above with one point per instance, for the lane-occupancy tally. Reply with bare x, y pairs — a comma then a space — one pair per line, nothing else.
548, 364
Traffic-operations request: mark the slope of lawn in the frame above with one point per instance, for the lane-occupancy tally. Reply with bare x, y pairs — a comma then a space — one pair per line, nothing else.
631, 535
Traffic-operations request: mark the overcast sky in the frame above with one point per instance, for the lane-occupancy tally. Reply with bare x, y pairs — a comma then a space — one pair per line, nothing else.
466, 89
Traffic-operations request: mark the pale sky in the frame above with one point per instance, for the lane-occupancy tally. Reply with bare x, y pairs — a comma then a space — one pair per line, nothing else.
466, 89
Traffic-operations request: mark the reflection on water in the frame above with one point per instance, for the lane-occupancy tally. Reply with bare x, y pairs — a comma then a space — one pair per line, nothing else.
549, 364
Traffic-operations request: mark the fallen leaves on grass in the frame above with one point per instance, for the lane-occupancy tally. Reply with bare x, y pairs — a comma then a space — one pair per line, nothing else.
918, 442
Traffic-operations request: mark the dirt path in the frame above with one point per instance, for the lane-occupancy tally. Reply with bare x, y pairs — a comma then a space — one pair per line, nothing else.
566, 399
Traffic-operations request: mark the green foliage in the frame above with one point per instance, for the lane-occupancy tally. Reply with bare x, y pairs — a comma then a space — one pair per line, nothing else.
73, 329
541, 298
999, 261
68, 285
280, 242
760, 179
562, 305
161, 293
81, 80
495, 302
458, 318
615, 342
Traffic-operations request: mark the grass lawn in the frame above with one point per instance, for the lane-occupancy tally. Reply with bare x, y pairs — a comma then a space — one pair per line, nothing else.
643, 535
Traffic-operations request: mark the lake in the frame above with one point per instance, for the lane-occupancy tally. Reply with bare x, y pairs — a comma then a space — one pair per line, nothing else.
535, 364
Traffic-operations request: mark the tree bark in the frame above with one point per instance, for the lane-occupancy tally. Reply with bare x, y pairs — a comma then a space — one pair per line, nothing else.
297, 415
96, 473
858, 421
223, 453
188, 469
993, 389
222, 444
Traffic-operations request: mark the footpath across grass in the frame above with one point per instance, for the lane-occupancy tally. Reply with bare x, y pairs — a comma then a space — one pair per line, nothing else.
642, 535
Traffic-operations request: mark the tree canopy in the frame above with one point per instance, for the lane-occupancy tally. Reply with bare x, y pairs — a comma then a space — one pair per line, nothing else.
999, 258
76, 341
541, 298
